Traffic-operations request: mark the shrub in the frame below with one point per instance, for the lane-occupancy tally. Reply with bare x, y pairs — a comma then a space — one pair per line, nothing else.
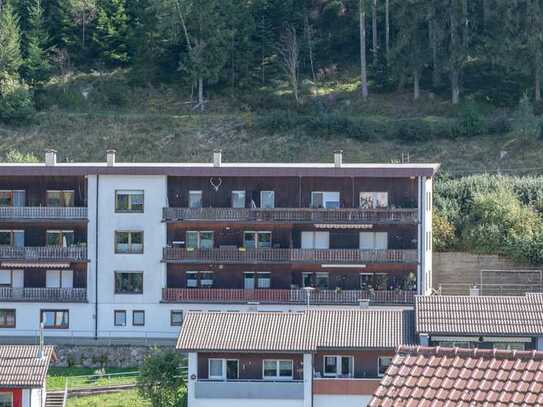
525, 123
470, 121
16, 104
443, 233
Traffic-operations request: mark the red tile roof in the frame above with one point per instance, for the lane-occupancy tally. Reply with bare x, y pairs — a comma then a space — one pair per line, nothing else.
447, 377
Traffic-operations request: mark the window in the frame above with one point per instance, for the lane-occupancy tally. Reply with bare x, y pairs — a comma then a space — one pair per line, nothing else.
252, 240
373, 240
12, 238
263, 280
307, 279
249, 280
267, 199
60, 238
59, 278
220, 369
509, 345
6, 399
455, 344
128, 282
12, 198
277, 369
138, 318
192, 279
119, 318
129, 242
5, 278
322, 280
199, 239
55, 319
176, 318
129, 201
383, 362
206, 279
338, 366
7, 318
195, 199
238, 199
315, 240
203, 279
373, 200
60, 198
328, 200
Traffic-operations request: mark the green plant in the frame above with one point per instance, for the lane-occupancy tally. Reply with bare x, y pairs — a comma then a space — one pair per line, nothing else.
470, 120
443, 232
525, 123
15, 101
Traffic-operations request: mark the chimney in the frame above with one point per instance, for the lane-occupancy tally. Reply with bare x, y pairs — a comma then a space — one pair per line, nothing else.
338, 158
474, 291
217, 158
364, 304
50, 157
110, 157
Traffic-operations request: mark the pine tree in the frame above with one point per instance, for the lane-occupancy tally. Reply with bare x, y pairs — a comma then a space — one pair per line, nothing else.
36, 68
10, 42
110, 37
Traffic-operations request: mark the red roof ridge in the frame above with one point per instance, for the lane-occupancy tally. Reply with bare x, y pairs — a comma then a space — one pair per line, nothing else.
476, 353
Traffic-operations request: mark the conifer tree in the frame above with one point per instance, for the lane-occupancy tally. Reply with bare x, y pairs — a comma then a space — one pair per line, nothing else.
111, 32
36, 68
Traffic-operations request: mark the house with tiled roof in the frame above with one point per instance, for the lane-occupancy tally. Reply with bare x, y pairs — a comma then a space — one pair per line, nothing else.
502, 322
454, 377
316, 358
23, 373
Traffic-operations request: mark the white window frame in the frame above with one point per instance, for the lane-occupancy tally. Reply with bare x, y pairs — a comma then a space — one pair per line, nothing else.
256, 234
62, 235
338, 366
277, 369
199, 238
326, 197
62, 192
374, 240
240, 192
223, 369
262, 200
129, 250
191, 194
130, 193
379, 374
12, 236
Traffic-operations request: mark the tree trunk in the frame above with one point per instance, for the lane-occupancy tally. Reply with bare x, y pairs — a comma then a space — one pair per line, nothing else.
363, 63
465, 24
416, 84
432, 39
387, 28
375, 39
537, 84
83, 36
455, 86
201, 102
309, 38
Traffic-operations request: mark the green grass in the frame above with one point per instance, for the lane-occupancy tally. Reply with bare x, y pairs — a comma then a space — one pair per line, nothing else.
57, 377
128, 398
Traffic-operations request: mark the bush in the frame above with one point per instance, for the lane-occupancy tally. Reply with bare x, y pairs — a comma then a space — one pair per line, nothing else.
16, 104
443, 233
525, 123
470, 121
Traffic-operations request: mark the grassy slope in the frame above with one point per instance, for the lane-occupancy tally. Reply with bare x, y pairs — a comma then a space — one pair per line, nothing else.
56, 377
122, 399
157, 125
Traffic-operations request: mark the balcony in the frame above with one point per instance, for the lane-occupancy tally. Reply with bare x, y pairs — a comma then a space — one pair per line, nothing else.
305, 256
43, 294
47, 253
277, 296
292, 215
43, 213
250, 389
341, 387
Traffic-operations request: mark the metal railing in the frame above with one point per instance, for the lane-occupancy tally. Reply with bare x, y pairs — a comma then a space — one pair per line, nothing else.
292, 215
44, 253
43, 213
265, 255
282, 296
43, 294
488, 289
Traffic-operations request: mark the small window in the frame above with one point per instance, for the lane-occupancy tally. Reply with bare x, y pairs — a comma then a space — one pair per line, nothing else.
60, 238
252, 240
129, 242
138, 318
338, 366
277, 369
195, 199
238, 199
383, 362
216, 371
199, 239
63, 198
12, 198
176, 318
128, 282
328, 200
263, 280
6, 399
120, 318
373, 200
7, 318
267, 199
129, 201
12, 238
55, 319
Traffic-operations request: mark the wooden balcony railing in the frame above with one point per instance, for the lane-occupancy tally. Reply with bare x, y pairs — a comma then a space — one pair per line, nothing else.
43, 213
44, 253
311, 256
278, 296
43, 294
293, 215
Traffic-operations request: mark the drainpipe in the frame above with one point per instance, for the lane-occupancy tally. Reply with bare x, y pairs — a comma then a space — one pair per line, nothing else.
96, 261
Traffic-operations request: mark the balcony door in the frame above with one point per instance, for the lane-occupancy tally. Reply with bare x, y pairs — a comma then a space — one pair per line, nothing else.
315, 240
373, 240
12, 238
15, 198
59, 279
328, 200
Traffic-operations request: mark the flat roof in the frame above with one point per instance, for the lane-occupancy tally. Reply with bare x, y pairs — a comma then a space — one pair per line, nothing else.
226, 169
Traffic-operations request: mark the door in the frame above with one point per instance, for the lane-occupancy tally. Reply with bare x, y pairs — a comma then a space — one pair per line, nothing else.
232, 370
315, 240
373, 240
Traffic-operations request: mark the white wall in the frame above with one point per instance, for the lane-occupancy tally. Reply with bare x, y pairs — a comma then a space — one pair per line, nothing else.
425, 236
246, 403
341, 401
37, 399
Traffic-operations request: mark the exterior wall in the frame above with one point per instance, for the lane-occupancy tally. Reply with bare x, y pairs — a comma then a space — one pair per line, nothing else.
341, 400
245, 403
37, 397
36, 187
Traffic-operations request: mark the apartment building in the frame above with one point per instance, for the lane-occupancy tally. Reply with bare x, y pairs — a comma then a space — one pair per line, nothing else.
314, 358
118, 250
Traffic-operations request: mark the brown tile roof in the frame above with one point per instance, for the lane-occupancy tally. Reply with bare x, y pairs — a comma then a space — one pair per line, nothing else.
296, 332
453, 377
480, 315
21, 367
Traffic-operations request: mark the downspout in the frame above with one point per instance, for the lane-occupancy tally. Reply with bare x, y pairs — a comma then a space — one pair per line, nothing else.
96, 261
312, 379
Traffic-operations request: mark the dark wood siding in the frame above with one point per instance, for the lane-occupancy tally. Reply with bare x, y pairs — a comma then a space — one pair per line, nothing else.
365, 362
36, 187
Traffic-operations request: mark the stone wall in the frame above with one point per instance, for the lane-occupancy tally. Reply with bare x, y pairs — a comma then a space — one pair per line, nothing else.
97, 356
456, 272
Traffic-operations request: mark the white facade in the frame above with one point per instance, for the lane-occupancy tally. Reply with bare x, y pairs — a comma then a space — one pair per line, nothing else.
342, 400
424, 277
